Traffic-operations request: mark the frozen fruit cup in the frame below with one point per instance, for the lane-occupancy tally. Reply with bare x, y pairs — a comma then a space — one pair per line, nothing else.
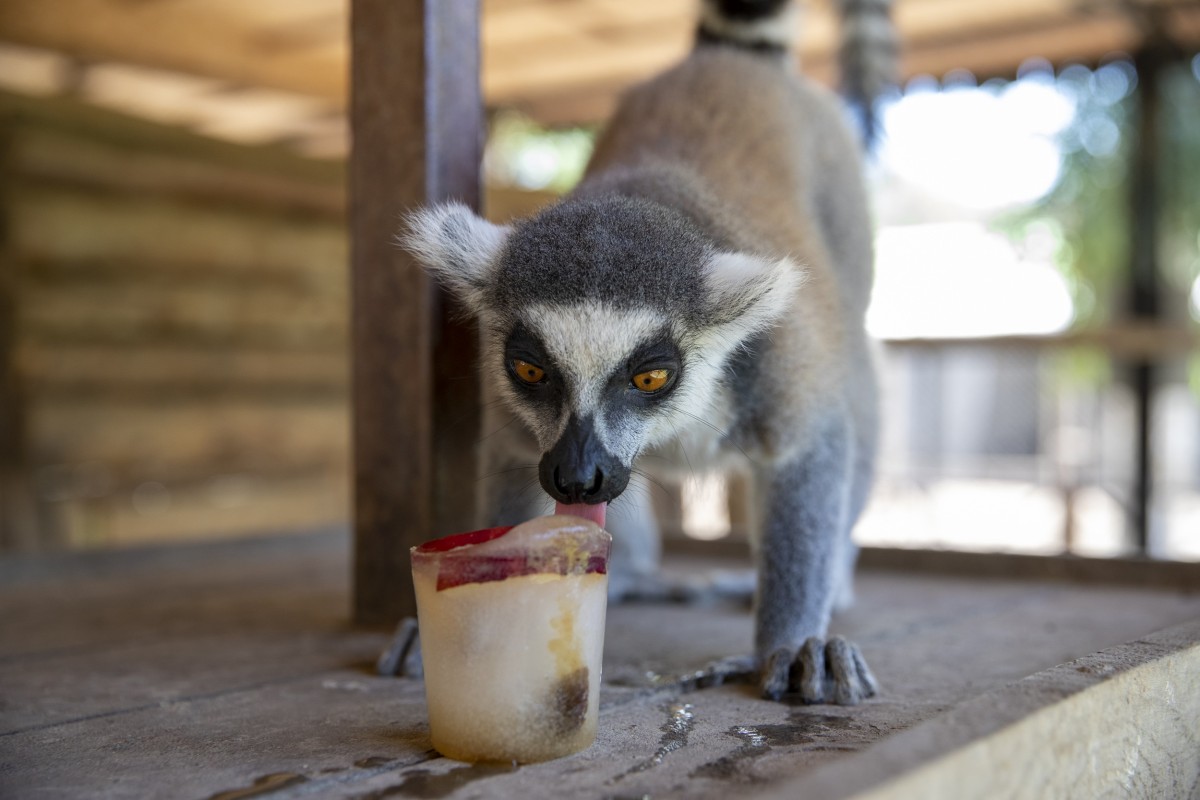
512, 632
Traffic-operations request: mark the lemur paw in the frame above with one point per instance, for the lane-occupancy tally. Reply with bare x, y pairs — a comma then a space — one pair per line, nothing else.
820, 671
402, 658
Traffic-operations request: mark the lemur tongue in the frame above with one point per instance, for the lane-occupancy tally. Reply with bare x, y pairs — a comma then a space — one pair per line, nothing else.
595, 513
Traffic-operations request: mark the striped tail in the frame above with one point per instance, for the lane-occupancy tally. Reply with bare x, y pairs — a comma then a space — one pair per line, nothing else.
762, 25
868, 54
869, 57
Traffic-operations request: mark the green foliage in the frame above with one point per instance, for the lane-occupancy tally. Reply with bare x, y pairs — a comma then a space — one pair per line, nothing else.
1090, 203
522, 153
1089, 208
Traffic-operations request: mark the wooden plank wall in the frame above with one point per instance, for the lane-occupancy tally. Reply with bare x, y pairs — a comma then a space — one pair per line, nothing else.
176, 328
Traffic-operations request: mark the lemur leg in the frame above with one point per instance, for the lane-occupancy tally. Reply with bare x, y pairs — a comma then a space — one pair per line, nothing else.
802, 555
402, 656
865, 413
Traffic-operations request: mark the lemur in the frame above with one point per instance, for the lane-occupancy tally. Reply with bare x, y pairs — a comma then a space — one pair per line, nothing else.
697, 301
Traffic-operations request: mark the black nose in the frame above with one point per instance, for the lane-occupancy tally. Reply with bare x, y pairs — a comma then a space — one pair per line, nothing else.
578, 469
575, 489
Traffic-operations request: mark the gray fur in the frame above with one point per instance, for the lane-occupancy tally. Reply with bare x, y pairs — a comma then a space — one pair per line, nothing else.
587, 250
806, 505
723, 218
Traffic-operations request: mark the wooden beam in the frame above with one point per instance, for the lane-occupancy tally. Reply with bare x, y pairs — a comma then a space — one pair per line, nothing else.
568, 64
417, 122
219, 40
534, 54
1129, 340
1001, 51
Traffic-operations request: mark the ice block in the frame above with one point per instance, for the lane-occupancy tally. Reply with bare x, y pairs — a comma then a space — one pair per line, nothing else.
512, 632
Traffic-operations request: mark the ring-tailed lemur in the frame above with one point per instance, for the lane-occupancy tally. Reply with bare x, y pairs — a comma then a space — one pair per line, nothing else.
697, 300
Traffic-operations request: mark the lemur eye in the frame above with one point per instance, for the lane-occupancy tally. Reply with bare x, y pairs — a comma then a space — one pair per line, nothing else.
528, 373
651, 380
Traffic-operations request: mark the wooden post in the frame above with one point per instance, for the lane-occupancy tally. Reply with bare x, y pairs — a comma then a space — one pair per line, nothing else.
18, 508
417, 128
17, 514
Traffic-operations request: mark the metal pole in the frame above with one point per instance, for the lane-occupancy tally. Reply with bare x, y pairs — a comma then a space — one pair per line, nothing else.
1144, 297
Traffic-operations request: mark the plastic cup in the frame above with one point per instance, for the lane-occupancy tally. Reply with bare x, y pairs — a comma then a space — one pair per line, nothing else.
512, 633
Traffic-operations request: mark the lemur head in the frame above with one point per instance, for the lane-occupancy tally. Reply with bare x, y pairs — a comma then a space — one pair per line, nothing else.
607, 324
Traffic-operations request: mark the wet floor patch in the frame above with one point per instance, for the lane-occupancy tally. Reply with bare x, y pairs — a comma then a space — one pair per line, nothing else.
278, 781
811, 732
429, 785
262, 785
681, 718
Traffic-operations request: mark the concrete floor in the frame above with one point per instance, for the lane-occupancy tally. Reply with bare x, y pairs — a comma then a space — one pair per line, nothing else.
229, 671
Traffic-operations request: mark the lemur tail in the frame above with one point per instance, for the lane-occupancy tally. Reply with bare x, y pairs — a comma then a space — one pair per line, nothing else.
868, 53
869, 57
764, 25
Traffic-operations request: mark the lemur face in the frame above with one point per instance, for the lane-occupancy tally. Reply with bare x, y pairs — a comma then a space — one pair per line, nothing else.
607, 325
596, 385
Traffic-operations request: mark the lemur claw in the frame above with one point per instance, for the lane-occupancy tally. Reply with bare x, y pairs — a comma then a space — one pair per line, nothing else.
820, 671
402, 658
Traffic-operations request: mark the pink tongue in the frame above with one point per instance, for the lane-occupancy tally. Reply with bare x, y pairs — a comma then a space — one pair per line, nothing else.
595, 513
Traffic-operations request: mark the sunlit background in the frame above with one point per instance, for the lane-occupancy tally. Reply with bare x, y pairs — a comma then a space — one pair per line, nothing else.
1002, 213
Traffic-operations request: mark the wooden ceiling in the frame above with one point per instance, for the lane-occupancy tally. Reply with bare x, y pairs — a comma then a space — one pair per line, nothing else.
559, 60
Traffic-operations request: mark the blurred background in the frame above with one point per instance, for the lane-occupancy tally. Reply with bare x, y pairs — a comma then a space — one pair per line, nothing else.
174, 288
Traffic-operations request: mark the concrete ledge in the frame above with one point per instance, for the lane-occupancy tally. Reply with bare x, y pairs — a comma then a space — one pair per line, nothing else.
1142, 572
1123, 722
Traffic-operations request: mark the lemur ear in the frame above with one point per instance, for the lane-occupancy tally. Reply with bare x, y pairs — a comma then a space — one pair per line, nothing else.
747, 293
456, 246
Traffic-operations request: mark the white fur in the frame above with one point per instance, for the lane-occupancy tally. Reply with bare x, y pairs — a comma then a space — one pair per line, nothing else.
593, 340
779, 29
457, 247
749, 294
590, 337
494, 328
746, 295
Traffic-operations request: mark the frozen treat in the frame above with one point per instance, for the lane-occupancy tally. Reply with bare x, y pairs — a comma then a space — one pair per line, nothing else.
512, 631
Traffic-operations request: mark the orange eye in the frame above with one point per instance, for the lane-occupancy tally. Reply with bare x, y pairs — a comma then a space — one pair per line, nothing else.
528, 373
652, 380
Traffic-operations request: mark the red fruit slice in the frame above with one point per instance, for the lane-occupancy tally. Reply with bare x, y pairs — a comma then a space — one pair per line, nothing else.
553, 545
463, 539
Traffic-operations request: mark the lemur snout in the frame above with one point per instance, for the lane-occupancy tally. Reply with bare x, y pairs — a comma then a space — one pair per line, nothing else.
578, 469
578, 492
